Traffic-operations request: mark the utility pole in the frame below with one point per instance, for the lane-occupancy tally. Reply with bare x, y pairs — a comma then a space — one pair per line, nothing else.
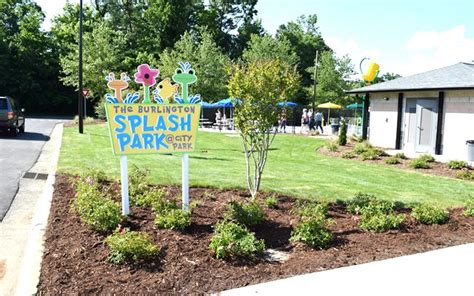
80, 99
315, 77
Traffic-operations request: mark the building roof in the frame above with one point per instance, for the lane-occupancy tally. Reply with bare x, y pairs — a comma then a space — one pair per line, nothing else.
458, 76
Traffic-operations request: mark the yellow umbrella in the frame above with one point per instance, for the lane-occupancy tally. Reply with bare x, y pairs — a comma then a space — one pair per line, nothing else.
329, 106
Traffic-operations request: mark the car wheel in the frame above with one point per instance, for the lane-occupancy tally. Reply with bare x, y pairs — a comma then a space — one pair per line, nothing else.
22, 128
15, 130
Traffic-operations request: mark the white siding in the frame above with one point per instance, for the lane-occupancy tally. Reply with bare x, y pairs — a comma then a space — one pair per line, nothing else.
458, 123
383, 119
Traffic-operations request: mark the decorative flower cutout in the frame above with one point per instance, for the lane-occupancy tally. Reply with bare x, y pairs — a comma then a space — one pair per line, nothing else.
146, 75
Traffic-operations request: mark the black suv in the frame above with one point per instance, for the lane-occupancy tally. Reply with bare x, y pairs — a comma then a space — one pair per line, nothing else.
12, 119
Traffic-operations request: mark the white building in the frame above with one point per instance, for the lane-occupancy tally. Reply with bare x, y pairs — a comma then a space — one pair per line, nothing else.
430, 112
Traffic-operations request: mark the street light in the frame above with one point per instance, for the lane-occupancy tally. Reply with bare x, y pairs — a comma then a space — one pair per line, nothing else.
80, 98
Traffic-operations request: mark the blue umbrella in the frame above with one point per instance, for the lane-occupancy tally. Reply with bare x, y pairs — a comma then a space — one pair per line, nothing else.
289, 104
207, 105
354, 106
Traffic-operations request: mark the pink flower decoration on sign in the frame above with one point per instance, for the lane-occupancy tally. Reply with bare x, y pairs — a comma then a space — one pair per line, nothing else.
146, 75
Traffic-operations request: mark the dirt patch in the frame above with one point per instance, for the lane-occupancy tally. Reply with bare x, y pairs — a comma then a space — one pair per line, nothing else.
75, 258
437, 168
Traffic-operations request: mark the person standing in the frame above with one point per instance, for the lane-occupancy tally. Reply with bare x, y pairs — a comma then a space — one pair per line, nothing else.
318, 118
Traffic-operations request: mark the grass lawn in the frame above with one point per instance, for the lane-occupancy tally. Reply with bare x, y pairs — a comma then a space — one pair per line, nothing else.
293, 168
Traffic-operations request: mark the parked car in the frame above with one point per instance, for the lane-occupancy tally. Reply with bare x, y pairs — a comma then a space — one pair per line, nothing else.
12, 119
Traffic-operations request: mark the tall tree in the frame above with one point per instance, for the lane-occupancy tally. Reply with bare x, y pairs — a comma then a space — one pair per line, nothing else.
333, 78
225, 17
28, 66
206, 59
305, 38
267, 48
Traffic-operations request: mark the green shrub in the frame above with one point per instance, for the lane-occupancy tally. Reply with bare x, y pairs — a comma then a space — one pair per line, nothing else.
231, 239
343, 133
99, 109
349, 154
248, 214
427, 158
138, 184
465, 175
457, 164
149, 198
97, 211
313, 232
163, 205
130, 245
469, 207
312, 209
357, 139
378, 221
358, 202
427, 214
93, 175
400, 155
362, 147
367, 202
392, 160
271, 201
332, 146
173, 219
419, 163
370, 154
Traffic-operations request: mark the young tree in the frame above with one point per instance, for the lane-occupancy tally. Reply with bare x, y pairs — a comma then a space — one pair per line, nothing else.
259, 85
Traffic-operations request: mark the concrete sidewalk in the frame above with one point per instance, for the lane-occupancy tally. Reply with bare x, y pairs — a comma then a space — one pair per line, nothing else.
441, 272
22, 230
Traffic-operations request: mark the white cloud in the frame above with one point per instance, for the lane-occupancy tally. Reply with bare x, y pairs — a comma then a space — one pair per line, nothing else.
423, 51
427, 50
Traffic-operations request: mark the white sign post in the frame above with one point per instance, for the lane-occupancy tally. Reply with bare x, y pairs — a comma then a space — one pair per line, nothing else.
124, 177
185, 182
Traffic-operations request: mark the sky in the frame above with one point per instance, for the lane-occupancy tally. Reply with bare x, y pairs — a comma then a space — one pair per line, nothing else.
402, 36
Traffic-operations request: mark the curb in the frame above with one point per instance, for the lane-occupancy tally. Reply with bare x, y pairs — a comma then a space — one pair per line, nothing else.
28, 278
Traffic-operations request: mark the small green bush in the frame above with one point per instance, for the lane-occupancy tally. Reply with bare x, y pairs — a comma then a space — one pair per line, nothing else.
231, 239
362, 147
349, 154
343, 134
469, 207
427, 214
163, 205
378, 221
97, 211
363, 202
392, 160
271, 201
465, 175
427, 158
312, 209
93, 175
248, 214
138, 184
130, 245
419, 163
400, 155
332, 146
173, 219
149, 198
457, 164
370, 154
312, 232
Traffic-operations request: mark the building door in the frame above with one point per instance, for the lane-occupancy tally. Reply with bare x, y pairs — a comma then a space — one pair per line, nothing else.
426, 122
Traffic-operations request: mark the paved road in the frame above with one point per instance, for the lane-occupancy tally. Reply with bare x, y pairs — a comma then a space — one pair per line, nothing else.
17, 156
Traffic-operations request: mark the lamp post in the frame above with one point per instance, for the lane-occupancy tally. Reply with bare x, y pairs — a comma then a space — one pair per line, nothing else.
80, 98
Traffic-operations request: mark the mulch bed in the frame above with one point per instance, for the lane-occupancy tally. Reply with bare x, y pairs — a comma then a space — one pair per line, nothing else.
437, 168
75, 258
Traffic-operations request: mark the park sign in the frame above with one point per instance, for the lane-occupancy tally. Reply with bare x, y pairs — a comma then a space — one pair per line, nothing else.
153, 128
166, 123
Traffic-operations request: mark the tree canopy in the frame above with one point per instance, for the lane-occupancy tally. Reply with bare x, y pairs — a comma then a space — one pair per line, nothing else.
39, 67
